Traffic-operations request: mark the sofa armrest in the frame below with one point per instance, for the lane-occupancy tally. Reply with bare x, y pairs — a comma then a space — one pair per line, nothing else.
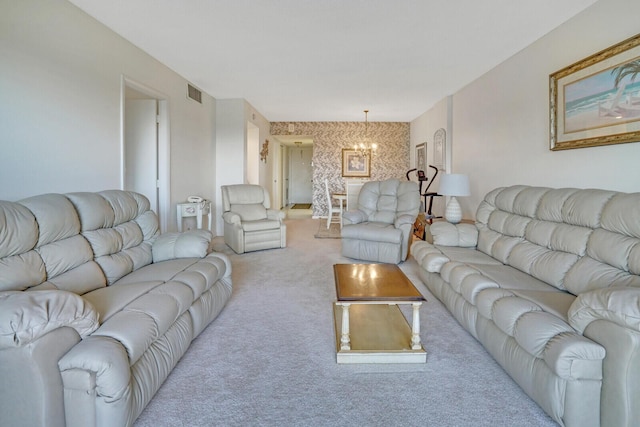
231, 218
189, 244
353, 217
275, 214
617, 305
404, 220
428, 256
447, 234
25, 316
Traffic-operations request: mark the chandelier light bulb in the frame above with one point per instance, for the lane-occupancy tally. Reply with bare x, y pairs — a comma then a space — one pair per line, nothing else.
366, 147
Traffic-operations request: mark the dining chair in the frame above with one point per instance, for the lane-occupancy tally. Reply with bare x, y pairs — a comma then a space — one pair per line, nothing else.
334, 206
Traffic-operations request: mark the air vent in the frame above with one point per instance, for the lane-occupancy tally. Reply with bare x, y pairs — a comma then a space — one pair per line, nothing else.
193, 93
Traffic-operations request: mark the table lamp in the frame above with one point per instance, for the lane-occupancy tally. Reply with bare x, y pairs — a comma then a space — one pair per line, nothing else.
453, 185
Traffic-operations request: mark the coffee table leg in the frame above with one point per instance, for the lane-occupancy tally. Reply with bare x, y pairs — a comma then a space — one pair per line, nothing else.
345, 341
415, 329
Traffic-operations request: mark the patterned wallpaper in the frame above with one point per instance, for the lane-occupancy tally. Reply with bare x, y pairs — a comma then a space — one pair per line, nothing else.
329, 138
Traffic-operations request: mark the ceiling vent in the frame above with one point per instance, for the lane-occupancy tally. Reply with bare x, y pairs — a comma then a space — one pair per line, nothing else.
194, 93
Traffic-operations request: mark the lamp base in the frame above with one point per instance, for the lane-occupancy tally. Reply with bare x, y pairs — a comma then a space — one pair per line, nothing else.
453, 213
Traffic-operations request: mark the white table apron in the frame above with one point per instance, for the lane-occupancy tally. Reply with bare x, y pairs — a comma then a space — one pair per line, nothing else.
194, 209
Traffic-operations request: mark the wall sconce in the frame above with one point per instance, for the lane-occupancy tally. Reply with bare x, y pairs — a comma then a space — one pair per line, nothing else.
265, 151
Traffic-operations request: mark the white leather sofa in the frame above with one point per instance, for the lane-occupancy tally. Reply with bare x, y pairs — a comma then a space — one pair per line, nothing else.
548, 281
249, 222
380, 228
96, 308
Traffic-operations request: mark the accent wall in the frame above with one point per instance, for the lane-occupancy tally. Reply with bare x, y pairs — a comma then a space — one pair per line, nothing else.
391, 159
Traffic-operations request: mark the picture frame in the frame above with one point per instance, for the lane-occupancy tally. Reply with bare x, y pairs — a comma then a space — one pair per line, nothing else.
355, 164
421, 156
596, 101
439, 148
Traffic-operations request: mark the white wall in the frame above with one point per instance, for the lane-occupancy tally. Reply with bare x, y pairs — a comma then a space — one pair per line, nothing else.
232, 117
501, 120
422, 130
60, 104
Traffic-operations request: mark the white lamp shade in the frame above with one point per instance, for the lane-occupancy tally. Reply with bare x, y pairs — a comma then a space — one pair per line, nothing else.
454, 184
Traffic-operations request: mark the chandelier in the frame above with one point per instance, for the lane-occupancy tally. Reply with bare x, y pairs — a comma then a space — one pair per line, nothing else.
366, 147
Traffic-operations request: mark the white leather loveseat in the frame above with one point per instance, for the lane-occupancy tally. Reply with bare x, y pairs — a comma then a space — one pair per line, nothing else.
96, 307
548, 281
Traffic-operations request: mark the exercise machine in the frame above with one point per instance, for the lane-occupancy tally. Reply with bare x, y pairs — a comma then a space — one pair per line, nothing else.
422, 178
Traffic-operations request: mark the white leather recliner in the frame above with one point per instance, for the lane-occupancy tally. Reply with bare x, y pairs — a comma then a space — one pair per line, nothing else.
249, 222
380, 229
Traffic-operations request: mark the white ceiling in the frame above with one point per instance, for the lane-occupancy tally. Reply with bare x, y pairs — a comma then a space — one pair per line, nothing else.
328, 60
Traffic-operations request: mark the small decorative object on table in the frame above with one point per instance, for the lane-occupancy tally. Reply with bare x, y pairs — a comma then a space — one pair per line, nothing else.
419, 226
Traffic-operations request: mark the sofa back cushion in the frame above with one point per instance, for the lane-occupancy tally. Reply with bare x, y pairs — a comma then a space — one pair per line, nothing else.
384, 201
572, 239
58, 258
249, 201
75, 242
120, 228
21, 267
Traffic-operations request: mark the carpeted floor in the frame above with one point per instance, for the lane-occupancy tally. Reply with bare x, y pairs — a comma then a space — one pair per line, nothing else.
269, 358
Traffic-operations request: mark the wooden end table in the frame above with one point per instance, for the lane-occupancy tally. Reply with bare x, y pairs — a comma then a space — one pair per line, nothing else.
370, 328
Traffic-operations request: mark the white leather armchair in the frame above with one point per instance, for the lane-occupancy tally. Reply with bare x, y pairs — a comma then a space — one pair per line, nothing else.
380, 229
249, 222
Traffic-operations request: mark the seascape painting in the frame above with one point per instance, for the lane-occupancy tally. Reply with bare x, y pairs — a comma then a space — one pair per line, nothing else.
596, 101
603, 99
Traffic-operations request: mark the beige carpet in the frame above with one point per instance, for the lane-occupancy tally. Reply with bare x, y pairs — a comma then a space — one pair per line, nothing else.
323, 233
269, 359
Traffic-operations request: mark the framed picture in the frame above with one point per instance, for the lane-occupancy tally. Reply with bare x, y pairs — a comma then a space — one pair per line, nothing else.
354, 164
421, 156
596, 101
439, 148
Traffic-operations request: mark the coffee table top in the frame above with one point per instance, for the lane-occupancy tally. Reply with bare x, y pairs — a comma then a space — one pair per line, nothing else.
373, 282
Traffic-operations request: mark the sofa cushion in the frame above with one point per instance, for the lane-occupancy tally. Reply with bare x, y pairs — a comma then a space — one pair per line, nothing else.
190, 244
152, 313
263, 224
374, 231
250, 212
197, 274
56, 216
467, 255
152, 298
542, 334
120, 229
551, 301
51, 252
27, 316
18, 230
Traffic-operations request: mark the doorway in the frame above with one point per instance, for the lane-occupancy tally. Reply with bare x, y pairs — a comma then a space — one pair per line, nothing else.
300, 174
145, 146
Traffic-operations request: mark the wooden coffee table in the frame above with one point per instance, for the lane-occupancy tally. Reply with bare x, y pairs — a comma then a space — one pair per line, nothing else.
370, 328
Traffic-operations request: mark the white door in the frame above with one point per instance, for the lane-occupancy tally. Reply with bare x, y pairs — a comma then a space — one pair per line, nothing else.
300, 183
284, 174
141, 148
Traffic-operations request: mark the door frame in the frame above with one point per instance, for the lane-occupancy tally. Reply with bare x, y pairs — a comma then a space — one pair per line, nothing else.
164, 145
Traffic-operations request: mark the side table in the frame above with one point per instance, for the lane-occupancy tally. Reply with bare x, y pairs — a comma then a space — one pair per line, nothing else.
194, 209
